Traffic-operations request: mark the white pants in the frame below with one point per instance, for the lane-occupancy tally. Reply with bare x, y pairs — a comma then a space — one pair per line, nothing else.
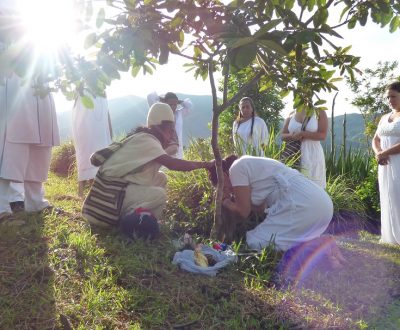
34, 196
16, 192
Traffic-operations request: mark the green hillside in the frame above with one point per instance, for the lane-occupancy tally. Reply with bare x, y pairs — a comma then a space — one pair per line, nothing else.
130, 111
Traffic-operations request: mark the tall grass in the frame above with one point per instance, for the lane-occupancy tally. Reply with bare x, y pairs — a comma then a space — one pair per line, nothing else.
355, 164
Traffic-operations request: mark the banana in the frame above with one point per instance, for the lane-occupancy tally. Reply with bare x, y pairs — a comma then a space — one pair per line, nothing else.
199, 258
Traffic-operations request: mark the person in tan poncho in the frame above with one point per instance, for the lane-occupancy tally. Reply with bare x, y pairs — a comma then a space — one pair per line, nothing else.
132, 173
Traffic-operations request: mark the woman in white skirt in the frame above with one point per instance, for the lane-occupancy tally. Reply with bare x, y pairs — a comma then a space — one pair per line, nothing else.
297, 210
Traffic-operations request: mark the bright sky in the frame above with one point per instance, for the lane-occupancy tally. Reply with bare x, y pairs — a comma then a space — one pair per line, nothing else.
372, 43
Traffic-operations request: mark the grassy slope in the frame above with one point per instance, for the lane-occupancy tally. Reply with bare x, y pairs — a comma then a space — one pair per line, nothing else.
56, 272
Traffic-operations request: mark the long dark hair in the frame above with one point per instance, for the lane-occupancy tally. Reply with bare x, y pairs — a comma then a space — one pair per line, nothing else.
226, 165
253, 114
394, 86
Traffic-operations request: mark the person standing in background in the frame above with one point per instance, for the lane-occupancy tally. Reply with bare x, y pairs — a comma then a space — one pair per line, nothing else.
28, 124
249, 132
91, 131
386, 146
312, 159
180, 109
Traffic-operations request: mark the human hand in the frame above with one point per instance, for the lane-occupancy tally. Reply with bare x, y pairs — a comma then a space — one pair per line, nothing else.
208, 164
298, 136
382, 158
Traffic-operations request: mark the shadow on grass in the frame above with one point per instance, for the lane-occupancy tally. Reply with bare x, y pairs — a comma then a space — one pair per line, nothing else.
363, 290
160, 296
26, 279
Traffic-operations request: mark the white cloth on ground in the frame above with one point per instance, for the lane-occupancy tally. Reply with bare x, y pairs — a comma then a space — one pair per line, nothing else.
297, 211
389, 181
312, 162
90, 132
250, 144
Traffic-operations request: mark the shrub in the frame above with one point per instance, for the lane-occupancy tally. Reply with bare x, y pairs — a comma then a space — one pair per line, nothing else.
190, 206
63, 159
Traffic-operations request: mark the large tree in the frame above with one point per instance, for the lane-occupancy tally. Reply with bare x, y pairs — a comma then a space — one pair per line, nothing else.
288, 44
369, 90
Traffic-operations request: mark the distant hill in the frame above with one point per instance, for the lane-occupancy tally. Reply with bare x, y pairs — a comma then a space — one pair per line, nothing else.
130, 111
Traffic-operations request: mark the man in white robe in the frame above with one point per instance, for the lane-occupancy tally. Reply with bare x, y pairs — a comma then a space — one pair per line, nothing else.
28, 127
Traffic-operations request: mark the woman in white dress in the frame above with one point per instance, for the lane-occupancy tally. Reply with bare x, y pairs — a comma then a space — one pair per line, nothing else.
297, 210
312, 161
91, 131
249, 132
386, 146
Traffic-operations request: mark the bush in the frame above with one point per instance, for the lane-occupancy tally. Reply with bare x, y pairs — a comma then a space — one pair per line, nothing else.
190, 206
63, 159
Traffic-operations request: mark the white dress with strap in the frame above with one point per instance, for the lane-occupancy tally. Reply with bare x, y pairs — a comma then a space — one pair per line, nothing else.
312, 160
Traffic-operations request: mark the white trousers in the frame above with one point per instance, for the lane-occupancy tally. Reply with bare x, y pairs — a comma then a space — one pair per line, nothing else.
34, 196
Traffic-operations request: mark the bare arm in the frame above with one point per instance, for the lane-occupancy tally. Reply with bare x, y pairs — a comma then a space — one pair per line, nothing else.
242, 203
176, 164
285, 135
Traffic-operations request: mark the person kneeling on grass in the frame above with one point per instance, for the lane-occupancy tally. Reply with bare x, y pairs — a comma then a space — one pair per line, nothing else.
297, 210
129, 178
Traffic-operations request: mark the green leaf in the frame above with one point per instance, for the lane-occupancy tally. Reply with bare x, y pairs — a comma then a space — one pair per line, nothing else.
90, 40
310, 5
363, 17
319, 102
239, 42
320, 17
100, 18
352, 22
272, 45
87, 102
289, 4
315, 50
243, 56
267, 27
304, 37
333, 80
394, 24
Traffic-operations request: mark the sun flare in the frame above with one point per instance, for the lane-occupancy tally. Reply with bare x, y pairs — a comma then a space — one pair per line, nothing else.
49, 23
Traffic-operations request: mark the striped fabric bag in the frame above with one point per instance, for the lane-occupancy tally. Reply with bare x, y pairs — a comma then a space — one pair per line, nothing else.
100, 156
102, 206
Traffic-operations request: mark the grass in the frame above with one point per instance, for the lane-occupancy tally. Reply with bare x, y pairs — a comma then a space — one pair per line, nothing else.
58, 273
